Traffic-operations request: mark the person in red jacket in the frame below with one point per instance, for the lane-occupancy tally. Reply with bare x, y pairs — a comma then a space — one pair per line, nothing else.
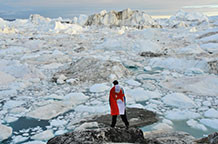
118, 104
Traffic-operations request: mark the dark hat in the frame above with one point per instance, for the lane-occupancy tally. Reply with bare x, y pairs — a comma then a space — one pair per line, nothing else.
115, 82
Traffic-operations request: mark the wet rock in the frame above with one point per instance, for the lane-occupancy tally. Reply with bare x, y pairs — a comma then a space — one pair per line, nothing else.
150, 54
92, 70
133, 135
213, 67
137, 117
168, 137
211, 139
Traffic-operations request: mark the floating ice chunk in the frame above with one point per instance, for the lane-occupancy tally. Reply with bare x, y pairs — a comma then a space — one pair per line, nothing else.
52, 66
181, 114
72, 81
213, 123
49, 111
178, 64
210, 47
211, 113
19, 139
139, 94
193, 71
87, 126
194, 124
61, 79
5, 132
10, 119
39, 20
82, 19
178, 100
206, 103
92, 109
212, 38
75, 98
44, 136
162, 126
7, 30
35, 142
133, 82
136, 106
12, 104
147, 68
153, 94
6, 78
191, 49
60, 132
199, 85
58, 122
54, 96
99, 88
169, 122
193, 29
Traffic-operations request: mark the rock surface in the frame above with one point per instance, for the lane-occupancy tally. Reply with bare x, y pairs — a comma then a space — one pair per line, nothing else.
136, 117
168, 137
211, 139
92, 70
119, 135
133, 135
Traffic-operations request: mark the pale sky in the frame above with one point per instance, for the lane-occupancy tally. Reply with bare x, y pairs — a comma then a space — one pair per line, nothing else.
70, 8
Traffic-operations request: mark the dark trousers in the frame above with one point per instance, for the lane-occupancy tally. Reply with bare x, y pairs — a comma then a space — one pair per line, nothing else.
123, 117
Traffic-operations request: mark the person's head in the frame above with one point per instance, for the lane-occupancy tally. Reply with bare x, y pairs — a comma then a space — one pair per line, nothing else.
115, 82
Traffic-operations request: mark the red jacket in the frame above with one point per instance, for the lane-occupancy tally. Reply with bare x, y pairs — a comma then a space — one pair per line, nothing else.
113, 100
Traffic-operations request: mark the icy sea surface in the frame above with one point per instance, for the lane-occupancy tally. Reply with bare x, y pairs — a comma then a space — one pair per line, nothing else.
57, 72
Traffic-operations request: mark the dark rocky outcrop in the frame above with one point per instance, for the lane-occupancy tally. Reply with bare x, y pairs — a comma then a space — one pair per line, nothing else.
137, 117
213, 67
211, 139
168, 137
121, 135
133, 135
150, 54
92, 70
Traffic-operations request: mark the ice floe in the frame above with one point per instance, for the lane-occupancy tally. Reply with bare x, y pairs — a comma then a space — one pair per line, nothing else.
5, 132
99, 88
139, 94
194, 124
211, 113
45, 135
181, 114
213, 123
178, 100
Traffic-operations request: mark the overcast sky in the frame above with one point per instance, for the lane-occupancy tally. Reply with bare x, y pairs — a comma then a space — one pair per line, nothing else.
70, 8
